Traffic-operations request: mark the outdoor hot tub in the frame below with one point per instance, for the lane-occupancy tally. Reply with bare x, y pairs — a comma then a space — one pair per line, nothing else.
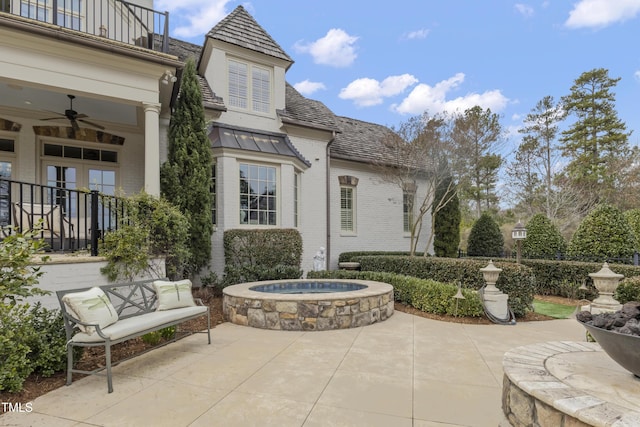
308, 305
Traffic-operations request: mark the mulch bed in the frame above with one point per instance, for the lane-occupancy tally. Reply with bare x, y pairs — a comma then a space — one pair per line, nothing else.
93, 357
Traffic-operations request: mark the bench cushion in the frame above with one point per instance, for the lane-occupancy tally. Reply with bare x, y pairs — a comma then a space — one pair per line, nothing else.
91, 306
132, 325
173, 294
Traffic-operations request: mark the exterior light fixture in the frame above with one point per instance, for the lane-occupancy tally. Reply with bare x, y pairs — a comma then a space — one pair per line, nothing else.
519, 233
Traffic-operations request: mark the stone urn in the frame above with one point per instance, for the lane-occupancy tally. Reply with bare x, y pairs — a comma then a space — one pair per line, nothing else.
606, 282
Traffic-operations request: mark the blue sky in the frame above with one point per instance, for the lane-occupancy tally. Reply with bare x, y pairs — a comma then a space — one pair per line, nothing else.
386, 61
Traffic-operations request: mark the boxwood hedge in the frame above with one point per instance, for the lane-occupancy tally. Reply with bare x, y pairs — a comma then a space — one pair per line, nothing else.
425, 295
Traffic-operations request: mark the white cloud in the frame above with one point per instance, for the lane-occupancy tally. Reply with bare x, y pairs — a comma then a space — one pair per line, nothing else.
337, 48
433, 99
200, 15
417, 34
637, 75
515, 117
524, 9
307, 87
601, 13
366, 92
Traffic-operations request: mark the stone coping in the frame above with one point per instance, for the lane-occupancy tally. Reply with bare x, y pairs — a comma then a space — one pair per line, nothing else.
568, 383
372, 289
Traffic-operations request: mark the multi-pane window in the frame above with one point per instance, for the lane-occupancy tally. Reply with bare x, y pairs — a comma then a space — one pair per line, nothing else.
68, 13
347, 209
212, 189
407, 210
261, 92
238, 84
257, 90
258, 194
7, 147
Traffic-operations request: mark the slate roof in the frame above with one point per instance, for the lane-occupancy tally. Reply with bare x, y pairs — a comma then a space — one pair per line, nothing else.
362, 142
184, 51
306, 112
239, 28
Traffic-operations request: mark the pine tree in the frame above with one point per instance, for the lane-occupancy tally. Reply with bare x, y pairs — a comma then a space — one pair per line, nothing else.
476, 135
446, 224
186, 175
597, 142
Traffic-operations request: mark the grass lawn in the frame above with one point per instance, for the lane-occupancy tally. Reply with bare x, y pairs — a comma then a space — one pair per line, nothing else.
559, 311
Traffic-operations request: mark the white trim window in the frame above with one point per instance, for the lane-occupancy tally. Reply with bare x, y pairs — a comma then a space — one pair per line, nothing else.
258, 194
240, 91
347, 209
408, 199
68, 13
7, 156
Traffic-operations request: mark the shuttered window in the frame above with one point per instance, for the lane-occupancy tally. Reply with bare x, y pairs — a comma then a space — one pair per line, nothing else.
347, 209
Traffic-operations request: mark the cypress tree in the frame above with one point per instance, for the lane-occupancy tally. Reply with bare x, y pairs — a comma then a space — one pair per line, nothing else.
186, 175
446, 224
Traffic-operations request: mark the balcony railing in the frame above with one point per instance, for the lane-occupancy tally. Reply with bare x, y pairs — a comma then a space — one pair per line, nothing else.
112, 19
66, 219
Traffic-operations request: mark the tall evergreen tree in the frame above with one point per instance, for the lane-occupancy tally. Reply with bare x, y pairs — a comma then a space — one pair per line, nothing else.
485, 238
597, 142
446, 223
476, 135
540, 132
186, 174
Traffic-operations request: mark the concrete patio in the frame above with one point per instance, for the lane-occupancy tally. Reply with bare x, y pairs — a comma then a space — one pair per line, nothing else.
406, 371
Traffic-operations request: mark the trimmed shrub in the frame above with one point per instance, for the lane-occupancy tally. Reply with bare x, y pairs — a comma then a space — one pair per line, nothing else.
633, 219
603, 233
350, 256
543, 239
485, 238
516, 280
255, 255
628, 290
425, 295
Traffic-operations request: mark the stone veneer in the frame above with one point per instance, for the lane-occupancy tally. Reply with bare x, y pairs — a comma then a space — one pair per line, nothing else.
544, 386
308, 312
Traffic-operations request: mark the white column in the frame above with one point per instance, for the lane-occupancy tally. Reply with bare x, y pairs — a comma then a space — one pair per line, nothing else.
152, 148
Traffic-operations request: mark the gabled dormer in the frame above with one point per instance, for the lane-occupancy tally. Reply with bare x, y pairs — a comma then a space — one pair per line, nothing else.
245, 66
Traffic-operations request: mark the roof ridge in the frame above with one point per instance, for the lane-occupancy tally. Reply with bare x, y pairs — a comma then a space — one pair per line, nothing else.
241, 29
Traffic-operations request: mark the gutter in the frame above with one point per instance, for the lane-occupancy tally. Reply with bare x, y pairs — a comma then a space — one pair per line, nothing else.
328, 191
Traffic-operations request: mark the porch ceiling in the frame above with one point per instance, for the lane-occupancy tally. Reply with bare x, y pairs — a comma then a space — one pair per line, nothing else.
42, 103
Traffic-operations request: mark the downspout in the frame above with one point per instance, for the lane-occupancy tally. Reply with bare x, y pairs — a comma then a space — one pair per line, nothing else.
328, 191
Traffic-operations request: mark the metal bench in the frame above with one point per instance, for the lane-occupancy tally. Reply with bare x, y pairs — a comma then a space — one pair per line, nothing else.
135, 304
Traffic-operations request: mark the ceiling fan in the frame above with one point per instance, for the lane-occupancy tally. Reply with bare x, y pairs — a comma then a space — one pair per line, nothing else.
73, 116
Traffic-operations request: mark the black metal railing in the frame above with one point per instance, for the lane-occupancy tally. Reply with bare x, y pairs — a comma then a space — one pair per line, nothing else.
112, 19
66, 219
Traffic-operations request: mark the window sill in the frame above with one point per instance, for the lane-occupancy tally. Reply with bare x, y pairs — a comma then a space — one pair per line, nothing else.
348, 234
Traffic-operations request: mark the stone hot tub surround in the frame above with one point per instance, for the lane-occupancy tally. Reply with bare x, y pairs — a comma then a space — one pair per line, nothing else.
308, 311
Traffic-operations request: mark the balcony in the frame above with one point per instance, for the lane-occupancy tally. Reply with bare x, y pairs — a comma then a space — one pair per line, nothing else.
114, 20
66, 219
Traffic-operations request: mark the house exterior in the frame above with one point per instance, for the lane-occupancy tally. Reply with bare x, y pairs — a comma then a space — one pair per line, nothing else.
281, 159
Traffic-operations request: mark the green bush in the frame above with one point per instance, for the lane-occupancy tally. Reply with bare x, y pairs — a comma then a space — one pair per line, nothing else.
603, 233
551, 276
516, 280
628, 290
633, 219
349, 256
151, 227
543, 239
255, 255
32, 339
425, 295
485, 238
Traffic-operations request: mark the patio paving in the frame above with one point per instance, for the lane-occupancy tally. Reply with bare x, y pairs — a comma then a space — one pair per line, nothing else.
405, 371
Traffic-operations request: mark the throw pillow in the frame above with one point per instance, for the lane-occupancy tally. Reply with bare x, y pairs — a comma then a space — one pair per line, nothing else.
91, 306
173, 294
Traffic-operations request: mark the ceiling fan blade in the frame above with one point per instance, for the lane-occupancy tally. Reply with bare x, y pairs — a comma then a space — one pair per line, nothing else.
80, 116
75, 125
95, 125
55, 118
